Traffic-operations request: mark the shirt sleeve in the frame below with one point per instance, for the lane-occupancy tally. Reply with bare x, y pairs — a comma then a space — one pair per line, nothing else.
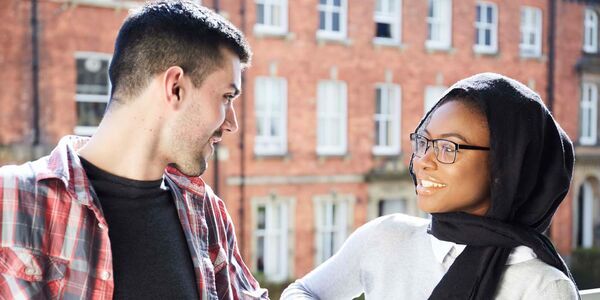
337, 278
243, 284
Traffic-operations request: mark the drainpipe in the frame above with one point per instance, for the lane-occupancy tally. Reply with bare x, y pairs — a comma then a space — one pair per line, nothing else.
551, 52
242, 139
35, 68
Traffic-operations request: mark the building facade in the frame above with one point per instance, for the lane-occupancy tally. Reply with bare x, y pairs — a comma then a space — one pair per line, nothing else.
334, 90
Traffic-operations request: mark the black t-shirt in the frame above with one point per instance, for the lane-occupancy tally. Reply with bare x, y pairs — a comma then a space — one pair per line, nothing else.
151, 259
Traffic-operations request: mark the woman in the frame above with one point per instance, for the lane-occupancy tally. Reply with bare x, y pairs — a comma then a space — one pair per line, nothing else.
491, 166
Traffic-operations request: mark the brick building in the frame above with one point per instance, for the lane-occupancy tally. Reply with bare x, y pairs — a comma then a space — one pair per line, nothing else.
335, 88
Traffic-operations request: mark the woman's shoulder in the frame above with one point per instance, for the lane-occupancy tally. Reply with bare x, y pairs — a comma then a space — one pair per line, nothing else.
534, 278
398, 225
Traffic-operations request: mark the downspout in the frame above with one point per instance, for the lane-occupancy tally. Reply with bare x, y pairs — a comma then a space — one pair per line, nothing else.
35, 69
242, 223
551, 53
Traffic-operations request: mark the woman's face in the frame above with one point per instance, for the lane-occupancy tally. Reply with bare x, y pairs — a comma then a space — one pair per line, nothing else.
463, 186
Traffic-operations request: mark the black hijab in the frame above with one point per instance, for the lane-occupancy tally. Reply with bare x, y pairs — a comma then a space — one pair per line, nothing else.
531, 167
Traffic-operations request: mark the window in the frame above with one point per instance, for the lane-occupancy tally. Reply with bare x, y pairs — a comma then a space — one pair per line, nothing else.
486, 28
333, 214
439, 24
271, 116
387, 119
590, 31
531, 32
92, 91
589, 114
387, 21
271, 239
332, 19
587, 216
332, 119
432, 95
271, 16
391, 206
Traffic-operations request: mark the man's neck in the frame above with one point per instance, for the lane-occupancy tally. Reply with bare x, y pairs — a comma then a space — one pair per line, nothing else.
125, 145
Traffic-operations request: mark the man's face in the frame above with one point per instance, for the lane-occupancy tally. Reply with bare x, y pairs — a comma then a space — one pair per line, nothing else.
207, 112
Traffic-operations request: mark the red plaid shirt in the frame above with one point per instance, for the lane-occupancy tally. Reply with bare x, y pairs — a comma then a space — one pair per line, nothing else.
55, 242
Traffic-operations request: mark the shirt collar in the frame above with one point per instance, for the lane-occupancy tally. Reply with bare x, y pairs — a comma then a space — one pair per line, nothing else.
442, 248
64, 164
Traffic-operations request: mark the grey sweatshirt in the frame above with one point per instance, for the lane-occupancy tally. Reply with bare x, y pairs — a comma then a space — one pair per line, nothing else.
391, 257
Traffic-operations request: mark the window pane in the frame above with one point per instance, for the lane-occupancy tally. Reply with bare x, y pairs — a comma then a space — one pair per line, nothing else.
260, 13
323, 1
478, 13
383, 30
388, 133
276, 15
322, 20
337, 3
488, 37
92, 76
379, 6
335, 21
430, 11
378, 141
90, 113
260, 254
261, 217
490, 18
378, 100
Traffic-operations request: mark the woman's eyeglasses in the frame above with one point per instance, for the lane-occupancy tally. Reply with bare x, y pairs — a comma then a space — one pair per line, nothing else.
445, 150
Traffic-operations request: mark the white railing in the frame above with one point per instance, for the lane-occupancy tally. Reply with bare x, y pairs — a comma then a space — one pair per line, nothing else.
593, 294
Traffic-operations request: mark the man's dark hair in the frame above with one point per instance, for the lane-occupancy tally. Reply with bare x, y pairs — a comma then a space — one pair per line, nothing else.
171, 33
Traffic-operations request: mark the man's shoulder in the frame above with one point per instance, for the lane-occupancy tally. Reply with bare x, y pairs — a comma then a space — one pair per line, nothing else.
25, 176
17, 174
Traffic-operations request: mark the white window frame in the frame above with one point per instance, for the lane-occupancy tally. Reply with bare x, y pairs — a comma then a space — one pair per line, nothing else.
277, 263
267, 90
482, 26
329, 8
328, 91
442, 19
433, 93
392, 17
334, 232
283, 17
531, 23
589, 102
590, 31
390, 94
90, 130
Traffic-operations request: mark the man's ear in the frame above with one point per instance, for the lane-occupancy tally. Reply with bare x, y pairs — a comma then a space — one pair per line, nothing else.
173, 86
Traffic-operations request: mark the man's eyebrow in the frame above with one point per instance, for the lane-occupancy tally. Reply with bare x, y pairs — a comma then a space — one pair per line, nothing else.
450, 134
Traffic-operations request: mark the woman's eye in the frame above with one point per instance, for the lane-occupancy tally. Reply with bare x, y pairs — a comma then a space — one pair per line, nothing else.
447, 148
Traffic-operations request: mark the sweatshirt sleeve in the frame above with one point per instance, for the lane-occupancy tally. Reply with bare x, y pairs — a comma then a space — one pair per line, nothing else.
559, 289
340, 276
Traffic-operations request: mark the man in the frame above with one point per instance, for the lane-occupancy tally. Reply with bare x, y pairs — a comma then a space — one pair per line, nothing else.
124, 214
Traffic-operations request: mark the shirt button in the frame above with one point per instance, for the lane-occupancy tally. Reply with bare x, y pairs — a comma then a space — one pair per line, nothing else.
102, 226
30, 271
105, 275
